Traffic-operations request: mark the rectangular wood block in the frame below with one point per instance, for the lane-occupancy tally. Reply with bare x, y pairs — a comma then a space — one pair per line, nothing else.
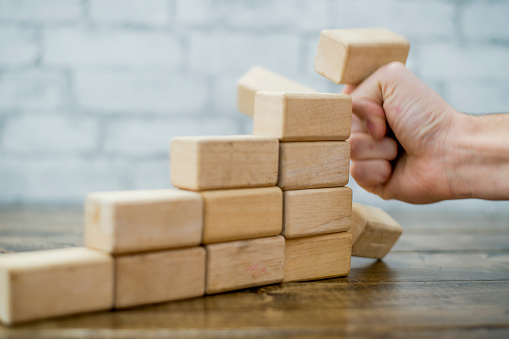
318, 164
303, 116
44, 284
317, 211
348, 56
235, 161
246, 213
156, 277
374, 232
260, 79
318, 257
134, 221
245, 263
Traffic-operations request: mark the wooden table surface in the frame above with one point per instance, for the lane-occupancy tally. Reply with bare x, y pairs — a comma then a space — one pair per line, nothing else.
448, 276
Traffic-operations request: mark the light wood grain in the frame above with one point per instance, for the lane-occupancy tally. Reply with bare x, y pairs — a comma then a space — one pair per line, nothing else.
221, 162
351, 55
316, 211
50, 283
303, 116
319, 164
318, 257
159, 276
246, 263
238, 214
260, 79
374, 231
134, 221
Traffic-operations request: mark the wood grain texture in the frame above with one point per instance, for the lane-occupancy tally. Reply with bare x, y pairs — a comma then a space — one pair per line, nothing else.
260, 79
159, 276
316, 211
374, 232
318, 257
246, 263
319, 164
303, 116
135, 221
50, 283
348, 56
236, 161
238, 214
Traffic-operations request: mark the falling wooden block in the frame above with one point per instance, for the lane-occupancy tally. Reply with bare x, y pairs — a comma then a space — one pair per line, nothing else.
348, 56
317, 211
246, 263
44, 284
318, 164
156, 277
235, 161
318, 257
303, 116
260, 79
134, 221
374, 232
237, 214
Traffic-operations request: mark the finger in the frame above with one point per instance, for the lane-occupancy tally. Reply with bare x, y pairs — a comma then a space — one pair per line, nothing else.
358, 125
348, 89
368, 173
374, 115
364, 147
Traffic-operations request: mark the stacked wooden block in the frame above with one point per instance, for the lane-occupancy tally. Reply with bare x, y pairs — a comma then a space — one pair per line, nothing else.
251, 210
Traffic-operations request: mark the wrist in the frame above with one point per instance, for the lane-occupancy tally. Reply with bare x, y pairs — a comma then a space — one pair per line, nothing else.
479, 157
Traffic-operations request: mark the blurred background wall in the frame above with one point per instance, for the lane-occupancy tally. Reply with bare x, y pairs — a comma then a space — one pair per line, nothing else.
92, 91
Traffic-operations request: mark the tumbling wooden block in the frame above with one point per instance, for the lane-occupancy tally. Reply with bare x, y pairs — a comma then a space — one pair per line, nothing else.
242, 214
260, 79
318, 257
44, 284
235, 161
134, 221
317, 211
159, 276
348, 56
303, 116
319, 164
246, 263
374, 232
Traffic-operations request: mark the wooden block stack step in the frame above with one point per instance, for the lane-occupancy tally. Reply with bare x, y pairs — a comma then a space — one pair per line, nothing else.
314, 163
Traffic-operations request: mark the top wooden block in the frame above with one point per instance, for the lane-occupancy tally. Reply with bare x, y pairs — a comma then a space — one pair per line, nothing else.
374, 232
260, 79
303, 116
348, 56
236, 161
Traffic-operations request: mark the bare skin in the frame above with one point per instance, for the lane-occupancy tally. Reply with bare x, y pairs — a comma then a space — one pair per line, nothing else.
408, 144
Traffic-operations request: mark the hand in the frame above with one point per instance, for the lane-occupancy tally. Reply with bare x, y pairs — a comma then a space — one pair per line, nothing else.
402, 137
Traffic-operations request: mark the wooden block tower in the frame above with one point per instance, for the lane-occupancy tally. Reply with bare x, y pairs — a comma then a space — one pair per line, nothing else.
250, 210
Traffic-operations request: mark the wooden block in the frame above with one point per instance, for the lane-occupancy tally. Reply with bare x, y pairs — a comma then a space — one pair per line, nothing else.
260, 79
235, 161
246, 263
317, 211
45, 284
374, 232
319, 164
134, 221
318, 257
303, 116
348, 56
242, 214
159, 276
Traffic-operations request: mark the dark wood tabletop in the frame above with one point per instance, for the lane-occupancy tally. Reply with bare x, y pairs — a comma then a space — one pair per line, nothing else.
448, 276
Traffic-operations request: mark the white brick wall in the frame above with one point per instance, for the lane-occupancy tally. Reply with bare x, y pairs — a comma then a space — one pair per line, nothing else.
92, 91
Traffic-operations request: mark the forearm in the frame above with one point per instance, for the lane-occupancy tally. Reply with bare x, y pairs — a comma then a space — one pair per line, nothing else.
480, 164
